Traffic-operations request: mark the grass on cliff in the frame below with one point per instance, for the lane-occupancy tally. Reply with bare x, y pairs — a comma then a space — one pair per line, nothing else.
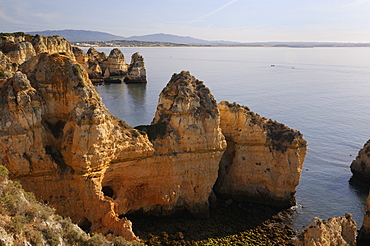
24, 219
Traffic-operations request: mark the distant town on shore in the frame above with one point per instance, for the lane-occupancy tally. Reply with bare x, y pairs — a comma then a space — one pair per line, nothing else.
85, 38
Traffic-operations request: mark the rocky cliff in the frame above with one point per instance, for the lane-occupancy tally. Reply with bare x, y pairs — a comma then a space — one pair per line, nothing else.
136, 72
188, 147
58, 139
113, 67
360, 167
263, 160
115, 64
20, 47
335, 231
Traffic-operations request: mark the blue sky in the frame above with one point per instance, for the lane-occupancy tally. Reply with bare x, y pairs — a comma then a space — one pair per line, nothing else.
234, 20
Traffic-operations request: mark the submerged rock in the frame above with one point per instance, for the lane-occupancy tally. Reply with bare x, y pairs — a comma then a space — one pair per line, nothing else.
263, 161
335, 231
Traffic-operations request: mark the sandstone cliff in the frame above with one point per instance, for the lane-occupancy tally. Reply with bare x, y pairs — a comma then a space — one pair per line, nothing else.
263, 160
58, 139
115, 63
336, 231
188, 146
136, 72
21, 47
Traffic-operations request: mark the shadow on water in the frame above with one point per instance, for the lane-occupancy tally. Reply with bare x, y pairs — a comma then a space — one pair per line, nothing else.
359, 187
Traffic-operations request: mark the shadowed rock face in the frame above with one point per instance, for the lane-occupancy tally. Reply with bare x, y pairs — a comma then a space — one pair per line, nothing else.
263, 160
360, 167
335, 231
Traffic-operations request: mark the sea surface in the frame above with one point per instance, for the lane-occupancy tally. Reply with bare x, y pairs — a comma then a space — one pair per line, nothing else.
322, 92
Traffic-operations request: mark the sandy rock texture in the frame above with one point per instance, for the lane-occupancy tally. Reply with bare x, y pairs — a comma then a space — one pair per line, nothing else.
20, 48
188, 146
336, 231
58, 140
137, 71
263, 160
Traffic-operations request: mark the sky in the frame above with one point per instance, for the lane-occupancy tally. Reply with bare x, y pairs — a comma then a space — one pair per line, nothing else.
231, 20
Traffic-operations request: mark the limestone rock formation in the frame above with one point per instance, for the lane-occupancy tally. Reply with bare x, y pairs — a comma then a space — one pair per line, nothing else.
136, 72
263, 160
360, 167
81, 57
335, 231
115, 63
188, 146
7, 67
58, 140
22, 52
21, 47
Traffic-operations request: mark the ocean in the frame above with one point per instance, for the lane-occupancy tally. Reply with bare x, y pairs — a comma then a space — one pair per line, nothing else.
322, 92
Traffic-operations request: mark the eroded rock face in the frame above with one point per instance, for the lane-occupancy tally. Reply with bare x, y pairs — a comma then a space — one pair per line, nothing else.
263, 160
136, 72
21, 48
360, 167
335, 231
7, 67
115, 63
188, 146
58, 140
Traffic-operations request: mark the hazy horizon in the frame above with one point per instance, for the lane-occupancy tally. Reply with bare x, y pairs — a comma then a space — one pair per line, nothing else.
230, 20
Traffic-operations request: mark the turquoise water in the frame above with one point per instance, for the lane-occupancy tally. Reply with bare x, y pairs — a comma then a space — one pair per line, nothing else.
322, 92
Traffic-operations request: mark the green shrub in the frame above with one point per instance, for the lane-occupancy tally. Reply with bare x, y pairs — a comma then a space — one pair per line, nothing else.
96, 240
4, 172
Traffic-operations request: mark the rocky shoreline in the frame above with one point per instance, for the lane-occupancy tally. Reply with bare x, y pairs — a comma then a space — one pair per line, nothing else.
198, 157
230, 223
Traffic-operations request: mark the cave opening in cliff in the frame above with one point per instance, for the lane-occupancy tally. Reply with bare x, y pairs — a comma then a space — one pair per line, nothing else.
85, 224
108, 191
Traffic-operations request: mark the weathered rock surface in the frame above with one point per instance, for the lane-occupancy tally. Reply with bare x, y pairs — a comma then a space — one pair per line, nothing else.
360, 167
7, 67
188, 146
335, 231
20, 48
136, 72
115, 63
58, 139
263, 160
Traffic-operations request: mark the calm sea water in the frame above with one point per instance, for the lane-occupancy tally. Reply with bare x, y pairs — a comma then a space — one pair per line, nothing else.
322, 92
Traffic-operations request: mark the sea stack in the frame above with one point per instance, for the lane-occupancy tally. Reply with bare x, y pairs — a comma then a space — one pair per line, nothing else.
136, 72
263, 160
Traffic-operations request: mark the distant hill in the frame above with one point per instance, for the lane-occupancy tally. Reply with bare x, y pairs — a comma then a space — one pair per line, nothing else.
162, 37
83, 35
80, 35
